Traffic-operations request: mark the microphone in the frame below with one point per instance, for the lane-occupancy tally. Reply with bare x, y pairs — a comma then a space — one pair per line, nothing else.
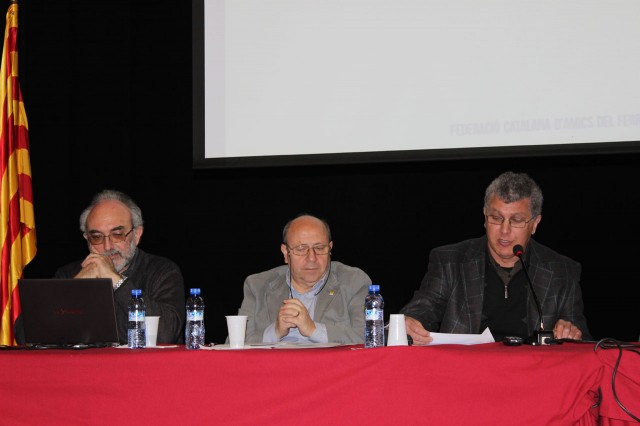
540, 336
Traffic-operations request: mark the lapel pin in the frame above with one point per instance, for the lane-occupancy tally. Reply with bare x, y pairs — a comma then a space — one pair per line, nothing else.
331, 292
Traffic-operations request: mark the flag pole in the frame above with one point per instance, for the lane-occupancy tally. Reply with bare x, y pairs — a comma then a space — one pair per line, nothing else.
17, 223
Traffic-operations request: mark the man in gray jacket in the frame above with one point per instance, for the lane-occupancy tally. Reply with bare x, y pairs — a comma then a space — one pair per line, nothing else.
480, 283
310, 299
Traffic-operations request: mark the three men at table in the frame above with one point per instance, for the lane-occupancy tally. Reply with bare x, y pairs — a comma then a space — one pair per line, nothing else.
468, 286
311, 298
112, 226
479, 283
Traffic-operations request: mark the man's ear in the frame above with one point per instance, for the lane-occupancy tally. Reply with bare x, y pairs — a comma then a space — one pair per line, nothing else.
138, 231
535, 224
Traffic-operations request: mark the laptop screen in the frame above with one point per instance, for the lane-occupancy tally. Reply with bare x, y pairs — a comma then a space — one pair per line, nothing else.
68, 311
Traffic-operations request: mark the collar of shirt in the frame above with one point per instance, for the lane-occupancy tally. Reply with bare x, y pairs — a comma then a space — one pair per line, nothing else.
506, 274
311, 294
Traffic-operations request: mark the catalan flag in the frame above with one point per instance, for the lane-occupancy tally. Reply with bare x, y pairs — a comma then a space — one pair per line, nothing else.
17, 227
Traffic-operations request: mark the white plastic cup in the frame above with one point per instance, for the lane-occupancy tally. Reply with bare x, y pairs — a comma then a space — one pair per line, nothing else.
237, 327
151, 330
397, 331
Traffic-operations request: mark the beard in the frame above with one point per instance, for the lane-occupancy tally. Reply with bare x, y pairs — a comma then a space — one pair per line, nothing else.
125, 256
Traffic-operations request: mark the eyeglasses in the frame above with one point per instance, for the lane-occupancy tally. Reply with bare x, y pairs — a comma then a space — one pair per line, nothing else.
514, 222
96, 238
303, 250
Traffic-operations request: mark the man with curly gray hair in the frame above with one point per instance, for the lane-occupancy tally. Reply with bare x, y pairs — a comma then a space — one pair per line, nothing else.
479, 283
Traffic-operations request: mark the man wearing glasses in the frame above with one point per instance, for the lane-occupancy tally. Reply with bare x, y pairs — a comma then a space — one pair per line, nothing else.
480, 283
310, 299
112, 226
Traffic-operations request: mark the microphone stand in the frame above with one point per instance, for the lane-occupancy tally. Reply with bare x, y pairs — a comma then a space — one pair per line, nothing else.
540, 336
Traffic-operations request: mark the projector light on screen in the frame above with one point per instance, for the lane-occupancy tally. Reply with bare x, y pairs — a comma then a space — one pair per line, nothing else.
352, 80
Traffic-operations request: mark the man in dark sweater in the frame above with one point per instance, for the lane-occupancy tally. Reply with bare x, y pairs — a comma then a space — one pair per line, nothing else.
480, 283
112, 226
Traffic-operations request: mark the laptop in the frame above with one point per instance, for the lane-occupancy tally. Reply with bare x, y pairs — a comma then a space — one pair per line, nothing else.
74, 313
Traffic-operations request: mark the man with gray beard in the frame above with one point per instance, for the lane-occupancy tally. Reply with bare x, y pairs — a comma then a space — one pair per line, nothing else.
112, 226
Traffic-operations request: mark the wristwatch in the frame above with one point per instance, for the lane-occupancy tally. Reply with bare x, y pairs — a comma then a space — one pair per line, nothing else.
118, 283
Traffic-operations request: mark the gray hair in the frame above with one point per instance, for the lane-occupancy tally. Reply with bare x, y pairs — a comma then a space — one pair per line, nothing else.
109, 194
511, 187
285, 230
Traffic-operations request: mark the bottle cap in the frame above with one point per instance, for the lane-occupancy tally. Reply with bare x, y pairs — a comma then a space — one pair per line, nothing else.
136, 292
194, 291
374, 288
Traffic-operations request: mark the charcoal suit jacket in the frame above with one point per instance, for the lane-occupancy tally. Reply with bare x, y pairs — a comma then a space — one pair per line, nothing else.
451, 296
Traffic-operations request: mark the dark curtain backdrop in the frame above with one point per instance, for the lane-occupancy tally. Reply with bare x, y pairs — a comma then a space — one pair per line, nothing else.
107, 88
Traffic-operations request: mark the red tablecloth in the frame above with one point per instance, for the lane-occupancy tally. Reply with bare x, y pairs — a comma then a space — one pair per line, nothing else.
458, 385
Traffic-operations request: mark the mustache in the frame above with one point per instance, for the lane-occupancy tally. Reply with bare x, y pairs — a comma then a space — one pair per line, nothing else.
112, 252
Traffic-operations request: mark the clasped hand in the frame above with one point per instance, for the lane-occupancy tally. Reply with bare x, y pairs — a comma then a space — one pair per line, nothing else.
98, 266
293, 314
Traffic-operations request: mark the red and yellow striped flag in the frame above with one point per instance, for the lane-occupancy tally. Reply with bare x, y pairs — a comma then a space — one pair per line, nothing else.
17, 229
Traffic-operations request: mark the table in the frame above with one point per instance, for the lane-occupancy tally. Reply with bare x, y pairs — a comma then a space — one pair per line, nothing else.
489, 384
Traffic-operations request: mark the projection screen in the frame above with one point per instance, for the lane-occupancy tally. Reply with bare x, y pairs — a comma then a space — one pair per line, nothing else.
280, 82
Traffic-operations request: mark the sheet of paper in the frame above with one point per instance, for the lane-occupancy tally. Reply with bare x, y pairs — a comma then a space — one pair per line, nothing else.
462, 339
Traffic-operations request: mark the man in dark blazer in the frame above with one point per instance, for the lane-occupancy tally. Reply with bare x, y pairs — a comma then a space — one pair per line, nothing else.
480, 283
310, 299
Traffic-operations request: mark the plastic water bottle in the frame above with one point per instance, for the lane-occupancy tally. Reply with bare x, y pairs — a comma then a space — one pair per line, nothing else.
194, 332
373, 318
136, 337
